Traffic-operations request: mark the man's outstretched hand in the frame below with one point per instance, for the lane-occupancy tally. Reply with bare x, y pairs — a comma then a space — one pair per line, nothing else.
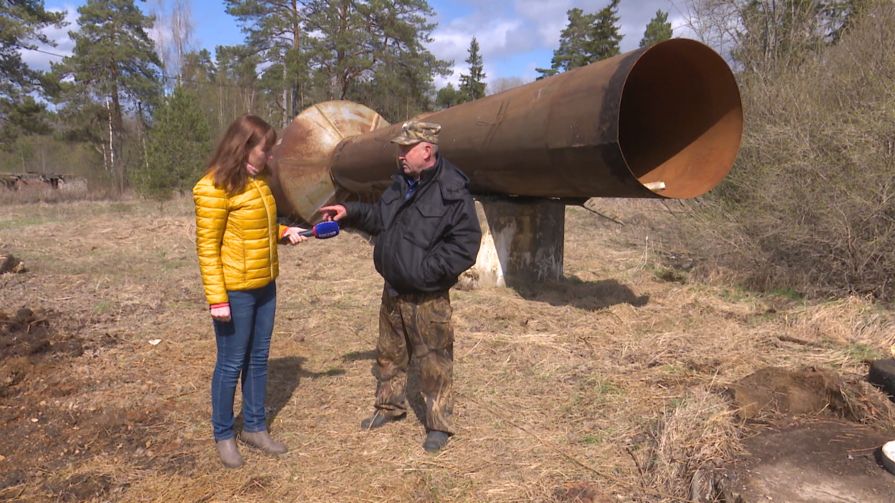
335, 212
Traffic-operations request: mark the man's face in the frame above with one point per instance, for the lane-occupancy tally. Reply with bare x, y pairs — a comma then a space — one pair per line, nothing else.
415, 158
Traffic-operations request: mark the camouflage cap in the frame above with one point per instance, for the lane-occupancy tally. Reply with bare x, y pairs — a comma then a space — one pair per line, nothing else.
413, 132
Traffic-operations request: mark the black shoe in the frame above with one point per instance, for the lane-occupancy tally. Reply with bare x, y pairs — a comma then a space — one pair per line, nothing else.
378, 419
435, 441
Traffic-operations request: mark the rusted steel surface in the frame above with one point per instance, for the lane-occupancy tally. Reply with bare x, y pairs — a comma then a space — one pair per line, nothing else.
301, 179
668, 117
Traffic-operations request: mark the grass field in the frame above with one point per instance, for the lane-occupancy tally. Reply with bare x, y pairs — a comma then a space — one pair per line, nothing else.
606, 386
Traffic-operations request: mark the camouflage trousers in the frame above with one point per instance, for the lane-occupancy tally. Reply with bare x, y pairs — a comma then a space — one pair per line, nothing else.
416, 327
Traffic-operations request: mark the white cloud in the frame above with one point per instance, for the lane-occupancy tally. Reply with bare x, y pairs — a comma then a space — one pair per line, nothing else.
453, 78
547, 19
512, 28
64, 43
680, 28
496, 38
450, 45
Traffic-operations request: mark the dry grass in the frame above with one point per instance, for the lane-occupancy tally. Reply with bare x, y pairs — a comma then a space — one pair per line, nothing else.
606, 380
689, 441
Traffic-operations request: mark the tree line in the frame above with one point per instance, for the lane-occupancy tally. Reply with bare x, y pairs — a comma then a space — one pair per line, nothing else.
147, 112
130, 112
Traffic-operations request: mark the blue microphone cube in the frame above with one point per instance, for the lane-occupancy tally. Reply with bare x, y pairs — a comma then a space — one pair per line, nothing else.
326, 230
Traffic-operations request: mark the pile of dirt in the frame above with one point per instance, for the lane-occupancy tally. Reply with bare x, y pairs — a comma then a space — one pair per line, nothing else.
26, 339
9, 263
28, 333
775, 391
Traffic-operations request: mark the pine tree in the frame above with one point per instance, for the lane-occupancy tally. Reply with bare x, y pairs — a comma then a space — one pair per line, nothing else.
114, 65
472, 86
373, 52
275, 32
604, 35
447, 97
235, 69
586, 39
657, 30
344, 53
199, 77
21, 23
179, 144
573, 48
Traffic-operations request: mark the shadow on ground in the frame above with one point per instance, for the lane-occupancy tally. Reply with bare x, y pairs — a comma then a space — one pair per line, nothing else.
588, 295
283, 376
415, 402
356, 356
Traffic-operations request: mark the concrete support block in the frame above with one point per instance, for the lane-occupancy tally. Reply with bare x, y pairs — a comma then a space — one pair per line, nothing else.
522, 241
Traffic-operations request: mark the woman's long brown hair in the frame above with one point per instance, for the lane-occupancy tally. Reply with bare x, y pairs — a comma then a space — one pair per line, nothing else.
228, 165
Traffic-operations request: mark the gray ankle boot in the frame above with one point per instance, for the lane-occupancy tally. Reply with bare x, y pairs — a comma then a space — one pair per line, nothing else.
229, 453
262, 440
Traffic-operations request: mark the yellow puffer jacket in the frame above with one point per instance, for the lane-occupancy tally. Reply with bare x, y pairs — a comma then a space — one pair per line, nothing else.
236, 237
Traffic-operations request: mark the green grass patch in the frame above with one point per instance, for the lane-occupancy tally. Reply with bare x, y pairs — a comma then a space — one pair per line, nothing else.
862, 352
734, 294
674, 369
23, 221
787, 293
670, 275
103, 307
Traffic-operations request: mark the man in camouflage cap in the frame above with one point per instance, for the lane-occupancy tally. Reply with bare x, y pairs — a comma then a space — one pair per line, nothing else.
413, 132
427, 235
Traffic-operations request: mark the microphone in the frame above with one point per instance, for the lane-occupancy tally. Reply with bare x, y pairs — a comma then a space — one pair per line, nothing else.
323, 230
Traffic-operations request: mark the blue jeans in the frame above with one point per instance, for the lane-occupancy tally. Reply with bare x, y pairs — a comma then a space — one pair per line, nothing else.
243, 347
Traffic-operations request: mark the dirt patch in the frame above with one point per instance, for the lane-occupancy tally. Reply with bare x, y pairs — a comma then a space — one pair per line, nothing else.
9, 263
83, 487
50, 426
28, 333
27, 340
805, 443
579, 492
826, 461
807, 391
47, 442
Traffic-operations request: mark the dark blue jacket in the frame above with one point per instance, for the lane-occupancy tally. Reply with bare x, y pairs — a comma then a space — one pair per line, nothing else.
425, 242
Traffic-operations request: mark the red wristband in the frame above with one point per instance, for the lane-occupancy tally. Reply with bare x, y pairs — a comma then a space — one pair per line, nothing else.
222, 304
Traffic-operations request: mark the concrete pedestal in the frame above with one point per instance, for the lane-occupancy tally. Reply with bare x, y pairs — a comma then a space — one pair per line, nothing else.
522, 241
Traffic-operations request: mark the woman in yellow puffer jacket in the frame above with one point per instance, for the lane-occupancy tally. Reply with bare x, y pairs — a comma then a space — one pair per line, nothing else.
236, 239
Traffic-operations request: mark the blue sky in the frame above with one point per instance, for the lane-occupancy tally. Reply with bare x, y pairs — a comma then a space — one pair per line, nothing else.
515, 36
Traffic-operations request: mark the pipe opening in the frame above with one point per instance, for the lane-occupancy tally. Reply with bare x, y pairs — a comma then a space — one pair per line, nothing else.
680, 119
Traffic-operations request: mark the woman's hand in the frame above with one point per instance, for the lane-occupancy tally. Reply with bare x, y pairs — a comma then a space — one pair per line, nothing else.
293, 235
335, 212
220, 312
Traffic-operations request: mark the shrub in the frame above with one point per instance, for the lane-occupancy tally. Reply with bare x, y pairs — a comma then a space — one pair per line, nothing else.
810, 203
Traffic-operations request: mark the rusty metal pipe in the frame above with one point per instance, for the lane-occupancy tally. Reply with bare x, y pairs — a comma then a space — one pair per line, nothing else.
666, 116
